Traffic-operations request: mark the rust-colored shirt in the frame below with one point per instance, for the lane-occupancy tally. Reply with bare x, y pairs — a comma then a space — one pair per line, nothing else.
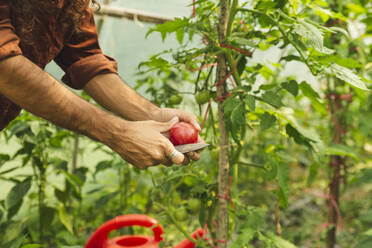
80, 56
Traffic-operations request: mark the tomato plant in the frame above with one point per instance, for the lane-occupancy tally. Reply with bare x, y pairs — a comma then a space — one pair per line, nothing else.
280, 88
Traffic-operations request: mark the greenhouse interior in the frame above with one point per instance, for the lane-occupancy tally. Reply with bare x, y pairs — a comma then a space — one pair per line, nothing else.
188, 123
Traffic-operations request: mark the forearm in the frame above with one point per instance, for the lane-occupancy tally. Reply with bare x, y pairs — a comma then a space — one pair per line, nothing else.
36, 91
115, 95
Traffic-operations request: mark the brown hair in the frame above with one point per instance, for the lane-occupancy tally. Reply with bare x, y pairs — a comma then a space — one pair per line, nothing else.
24, 15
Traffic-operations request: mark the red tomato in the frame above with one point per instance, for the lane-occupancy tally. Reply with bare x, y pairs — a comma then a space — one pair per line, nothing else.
183, 133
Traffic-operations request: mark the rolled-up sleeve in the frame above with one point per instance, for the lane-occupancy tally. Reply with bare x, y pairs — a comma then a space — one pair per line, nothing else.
9, 41
81, 57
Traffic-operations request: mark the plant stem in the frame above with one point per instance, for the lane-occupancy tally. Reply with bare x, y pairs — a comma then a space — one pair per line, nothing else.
232, 14
232, 65
41, 205
335, 164
168, 211
223, 163
75, 153
277, 220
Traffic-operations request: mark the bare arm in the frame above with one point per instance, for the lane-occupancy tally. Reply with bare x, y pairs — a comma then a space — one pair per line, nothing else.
115, 95
36, 91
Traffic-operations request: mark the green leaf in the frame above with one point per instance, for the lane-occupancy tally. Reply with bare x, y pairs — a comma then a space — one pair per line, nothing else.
180, 33
154, 63
313, 35
72, 178
341, 61
341, 150
202, 213
266, 4
243, 41
33, 246
65, 218
62, 196
291, 58
48, 215
280, 242
14, 210
4, 158
238, 121
273, 172
297, 136
266, 72
272, 99
12, 232
19, 242
243, 239
102, 201
346, 75
313, 97
267, 120
103, 165
17, 193
291, 87
313, 171
169, 27
283, 172
241, 65
20, 129
251, 102
365, 240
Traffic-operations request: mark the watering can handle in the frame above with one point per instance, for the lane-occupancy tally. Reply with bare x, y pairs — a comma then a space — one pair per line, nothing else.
199, 233
99, 237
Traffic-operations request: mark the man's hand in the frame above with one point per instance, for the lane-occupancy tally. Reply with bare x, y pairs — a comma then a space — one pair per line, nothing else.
142, 143
165, 114
116, 96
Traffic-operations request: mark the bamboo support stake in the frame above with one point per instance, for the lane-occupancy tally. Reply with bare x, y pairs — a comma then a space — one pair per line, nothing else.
223, 164
131, 14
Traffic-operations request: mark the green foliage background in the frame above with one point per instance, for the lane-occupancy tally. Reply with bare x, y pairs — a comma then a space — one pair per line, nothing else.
280, 127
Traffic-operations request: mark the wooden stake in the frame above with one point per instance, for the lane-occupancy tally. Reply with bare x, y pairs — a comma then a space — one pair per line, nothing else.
223, 165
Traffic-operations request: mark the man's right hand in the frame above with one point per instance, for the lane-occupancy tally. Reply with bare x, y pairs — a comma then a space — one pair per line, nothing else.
142, 143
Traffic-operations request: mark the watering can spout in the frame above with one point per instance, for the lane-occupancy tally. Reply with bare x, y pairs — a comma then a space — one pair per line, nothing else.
189, 244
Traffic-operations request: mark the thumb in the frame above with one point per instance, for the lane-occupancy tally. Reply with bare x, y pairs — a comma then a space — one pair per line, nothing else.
171, 152
166, 126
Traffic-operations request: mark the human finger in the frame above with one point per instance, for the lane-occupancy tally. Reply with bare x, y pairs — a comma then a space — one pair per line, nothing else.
186, 161
195, 155
171, 152
164, 127
189, 117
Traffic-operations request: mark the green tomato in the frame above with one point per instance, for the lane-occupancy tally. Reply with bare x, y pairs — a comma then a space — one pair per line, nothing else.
181, 214
194, 205
203, 97
175, 99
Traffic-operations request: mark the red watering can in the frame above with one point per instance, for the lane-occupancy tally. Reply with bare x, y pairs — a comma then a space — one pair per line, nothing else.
99, 239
